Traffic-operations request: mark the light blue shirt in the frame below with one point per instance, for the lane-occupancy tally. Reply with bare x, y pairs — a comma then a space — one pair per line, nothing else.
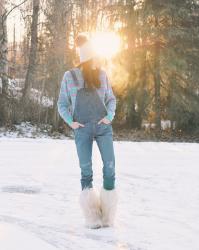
68, 91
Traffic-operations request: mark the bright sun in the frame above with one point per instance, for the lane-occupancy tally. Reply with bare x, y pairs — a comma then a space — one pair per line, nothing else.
105, 44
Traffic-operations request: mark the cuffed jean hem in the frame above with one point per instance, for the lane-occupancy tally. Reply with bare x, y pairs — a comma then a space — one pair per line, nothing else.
86, 185
109, 184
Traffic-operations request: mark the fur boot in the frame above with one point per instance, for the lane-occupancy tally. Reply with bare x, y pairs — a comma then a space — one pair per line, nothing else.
90, 204
108, 199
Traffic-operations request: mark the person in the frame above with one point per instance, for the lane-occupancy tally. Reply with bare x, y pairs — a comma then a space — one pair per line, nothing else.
87, 104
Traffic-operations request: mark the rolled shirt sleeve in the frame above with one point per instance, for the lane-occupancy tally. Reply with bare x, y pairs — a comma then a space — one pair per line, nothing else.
110, 101
63, 103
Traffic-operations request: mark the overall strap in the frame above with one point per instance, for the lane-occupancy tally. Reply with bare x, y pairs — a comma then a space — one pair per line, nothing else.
72, 71
74, 76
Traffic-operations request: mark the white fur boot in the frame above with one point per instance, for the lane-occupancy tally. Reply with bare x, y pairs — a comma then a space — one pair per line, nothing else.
109, 199
90, 204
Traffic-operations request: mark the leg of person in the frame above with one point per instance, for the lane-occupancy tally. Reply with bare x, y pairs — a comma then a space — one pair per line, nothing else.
108, 194
84, 144
104, 139
89, 200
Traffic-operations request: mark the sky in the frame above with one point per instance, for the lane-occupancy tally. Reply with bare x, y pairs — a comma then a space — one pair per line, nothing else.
15, 18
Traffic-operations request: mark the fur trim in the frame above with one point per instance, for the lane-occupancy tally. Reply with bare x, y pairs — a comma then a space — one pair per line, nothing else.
90, 204
109, 200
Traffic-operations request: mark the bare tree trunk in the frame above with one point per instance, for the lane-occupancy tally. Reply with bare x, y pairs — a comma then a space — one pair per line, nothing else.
157, 90
14, 55
61, 16
141, 102
157, 83
33, 52
5, 117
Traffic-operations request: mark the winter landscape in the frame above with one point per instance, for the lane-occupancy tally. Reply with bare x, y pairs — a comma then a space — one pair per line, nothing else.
142, 59
158, 196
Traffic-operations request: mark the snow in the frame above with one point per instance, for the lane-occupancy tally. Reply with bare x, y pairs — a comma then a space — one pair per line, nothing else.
158, 196
15, 87
165, 124
28, 130
12, 236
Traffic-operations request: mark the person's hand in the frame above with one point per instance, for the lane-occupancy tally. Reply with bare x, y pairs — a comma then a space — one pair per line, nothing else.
75, 125
104, 120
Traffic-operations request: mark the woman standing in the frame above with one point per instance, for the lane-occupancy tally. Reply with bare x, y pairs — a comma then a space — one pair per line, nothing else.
87, 104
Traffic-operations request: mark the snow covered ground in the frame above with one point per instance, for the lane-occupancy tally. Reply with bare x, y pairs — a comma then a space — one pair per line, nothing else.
28, 130
158, 186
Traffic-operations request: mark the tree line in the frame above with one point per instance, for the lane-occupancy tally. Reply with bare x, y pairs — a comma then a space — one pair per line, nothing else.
154, 75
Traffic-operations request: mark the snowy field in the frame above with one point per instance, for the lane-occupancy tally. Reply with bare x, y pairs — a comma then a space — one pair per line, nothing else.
158, 186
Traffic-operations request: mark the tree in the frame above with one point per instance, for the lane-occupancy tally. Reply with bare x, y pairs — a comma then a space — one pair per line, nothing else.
5, 104
33, 53
58, 52
4, 99
174, 37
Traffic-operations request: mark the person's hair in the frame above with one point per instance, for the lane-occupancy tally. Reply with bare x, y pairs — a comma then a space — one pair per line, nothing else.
91, 76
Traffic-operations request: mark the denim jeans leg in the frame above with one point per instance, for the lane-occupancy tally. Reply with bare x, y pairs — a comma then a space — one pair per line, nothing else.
104, 139
84, 143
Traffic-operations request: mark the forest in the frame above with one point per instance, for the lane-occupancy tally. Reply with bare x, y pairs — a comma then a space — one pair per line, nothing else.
154, 72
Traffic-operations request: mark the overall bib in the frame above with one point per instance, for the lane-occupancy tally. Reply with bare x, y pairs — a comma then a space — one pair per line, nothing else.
89, 109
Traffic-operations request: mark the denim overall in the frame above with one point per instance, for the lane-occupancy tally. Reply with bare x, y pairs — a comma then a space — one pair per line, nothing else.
89, 109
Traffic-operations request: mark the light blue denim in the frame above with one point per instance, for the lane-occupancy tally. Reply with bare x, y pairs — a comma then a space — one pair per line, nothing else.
103, 135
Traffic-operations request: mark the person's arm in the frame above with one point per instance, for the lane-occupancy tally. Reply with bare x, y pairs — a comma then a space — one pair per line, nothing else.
110, 101
63, 103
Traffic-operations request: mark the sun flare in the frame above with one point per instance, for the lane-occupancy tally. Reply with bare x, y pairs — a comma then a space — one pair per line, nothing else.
105, 44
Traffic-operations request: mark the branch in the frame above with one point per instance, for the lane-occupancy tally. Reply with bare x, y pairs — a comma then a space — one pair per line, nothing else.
5, 15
